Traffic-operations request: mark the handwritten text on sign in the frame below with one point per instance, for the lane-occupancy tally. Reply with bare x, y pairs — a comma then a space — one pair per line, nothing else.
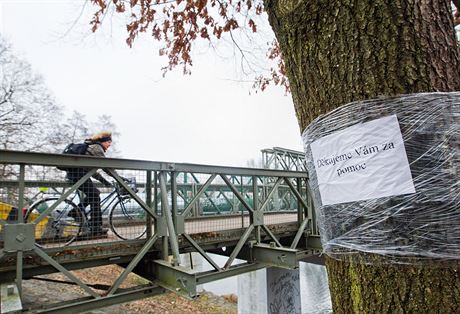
364, 161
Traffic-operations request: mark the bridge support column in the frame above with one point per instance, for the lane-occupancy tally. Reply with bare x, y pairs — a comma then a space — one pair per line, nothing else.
10, 300
252, 292
283, 291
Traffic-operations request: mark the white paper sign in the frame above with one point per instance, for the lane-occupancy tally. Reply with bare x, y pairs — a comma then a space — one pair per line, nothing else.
364, 161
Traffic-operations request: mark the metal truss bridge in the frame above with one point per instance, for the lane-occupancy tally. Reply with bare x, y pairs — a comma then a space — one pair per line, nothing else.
264, 217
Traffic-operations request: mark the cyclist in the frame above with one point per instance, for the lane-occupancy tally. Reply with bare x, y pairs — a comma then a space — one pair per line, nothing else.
98, 144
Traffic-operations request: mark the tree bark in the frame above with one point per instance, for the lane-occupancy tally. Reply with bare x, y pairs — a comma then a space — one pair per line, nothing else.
337, 52
341, 51
394, 288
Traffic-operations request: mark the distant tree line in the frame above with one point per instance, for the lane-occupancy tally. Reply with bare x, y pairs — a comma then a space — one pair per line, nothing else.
30, 117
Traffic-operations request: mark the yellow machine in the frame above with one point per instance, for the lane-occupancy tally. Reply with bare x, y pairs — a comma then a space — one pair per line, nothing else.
9, 213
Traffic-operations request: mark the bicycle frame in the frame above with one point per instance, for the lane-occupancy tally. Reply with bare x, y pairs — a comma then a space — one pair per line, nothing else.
106, 202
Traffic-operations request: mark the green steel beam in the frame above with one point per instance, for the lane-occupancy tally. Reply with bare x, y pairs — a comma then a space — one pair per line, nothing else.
235, 270
206, 193
237, 194
201, 251
65, 272
17, 157
132, 194
84, 304
64, 196
271, 235
21, 202
238, 246
176, 278
168, 217
132, 264
197, 195
299, 233
48, 269
270, 194
296, 193
19, 269
275, 256
173, 189
314, 242
19, 237
148, 200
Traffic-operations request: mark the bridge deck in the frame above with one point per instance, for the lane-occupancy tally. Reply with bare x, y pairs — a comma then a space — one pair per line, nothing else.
208, 232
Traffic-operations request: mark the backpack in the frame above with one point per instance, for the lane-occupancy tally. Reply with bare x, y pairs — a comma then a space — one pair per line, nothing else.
73, 149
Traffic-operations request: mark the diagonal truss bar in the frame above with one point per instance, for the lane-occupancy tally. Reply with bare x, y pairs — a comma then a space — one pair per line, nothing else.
206, 194
64, 196
271, 159
87, 304
131, 193
181, 195
285, 194
269, 195
299, 233
282, 161
296, 193
201, 251
235, 178
271, 235
197, 195
226, 198
132, 264
239, 246
209, 197
67, 273
237, 194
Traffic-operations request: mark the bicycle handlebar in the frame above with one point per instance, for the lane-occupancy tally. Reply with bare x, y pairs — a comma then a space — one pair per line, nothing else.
131, 182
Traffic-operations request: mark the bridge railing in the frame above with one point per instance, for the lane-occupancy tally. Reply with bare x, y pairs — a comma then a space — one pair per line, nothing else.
172, 203
193, 191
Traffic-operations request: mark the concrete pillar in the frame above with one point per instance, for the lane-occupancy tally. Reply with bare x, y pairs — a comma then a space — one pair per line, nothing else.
277, 290
283, 291
316, 297
252, 293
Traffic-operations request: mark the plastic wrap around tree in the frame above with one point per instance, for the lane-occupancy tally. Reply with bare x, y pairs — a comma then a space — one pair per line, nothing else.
384, 177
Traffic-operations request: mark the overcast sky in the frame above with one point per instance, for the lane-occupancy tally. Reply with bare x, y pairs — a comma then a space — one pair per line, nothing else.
207, 118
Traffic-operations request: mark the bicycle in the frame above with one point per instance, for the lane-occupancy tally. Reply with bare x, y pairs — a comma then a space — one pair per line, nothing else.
68, 221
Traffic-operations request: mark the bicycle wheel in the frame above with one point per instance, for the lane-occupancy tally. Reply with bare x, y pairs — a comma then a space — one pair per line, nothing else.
60, 226
127, 219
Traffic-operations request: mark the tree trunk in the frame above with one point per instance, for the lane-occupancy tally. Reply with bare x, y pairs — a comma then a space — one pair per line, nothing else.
337, 52
341, 51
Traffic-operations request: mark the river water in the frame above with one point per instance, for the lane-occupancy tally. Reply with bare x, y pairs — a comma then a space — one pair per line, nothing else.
251, 287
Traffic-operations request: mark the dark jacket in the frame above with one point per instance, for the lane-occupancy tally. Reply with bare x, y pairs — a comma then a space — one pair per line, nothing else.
95, 149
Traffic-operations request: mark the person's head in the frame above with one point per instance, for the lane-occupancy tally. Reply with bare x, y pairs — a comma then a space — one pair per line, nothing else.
104, 138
